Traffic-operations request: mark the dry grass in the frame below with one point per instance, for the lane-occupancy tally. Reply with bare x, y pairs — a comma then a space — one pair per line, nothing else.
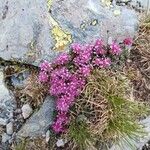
107, 110
94, 104
34, 89
31, 144
140, 62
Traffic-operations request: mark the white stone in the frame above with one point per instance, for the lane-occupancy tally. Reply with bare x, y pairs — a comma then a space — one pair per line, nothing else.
47, 136
9, 128
5, 138
60, 143
26, 111
3, 122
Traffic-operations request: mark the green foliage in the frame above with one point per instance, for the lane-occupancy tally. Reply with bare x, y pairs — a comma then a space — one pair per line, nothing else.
21, 145
79, 133
123, 121
121, 115
123, 112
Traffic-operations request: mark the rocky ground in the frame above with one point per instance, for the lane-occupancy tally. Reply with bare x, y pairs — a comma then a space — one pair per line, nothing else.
30, 31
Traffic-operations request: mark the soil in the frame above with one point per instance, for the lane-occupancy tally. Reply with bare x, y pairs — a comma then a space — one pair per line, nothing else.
140, 65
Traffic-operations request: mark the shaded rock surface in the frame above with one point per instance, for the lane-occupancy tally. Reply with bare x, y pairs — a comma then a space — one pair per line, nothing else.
144, 3
7, 102
89, 19
25, 31
40, 121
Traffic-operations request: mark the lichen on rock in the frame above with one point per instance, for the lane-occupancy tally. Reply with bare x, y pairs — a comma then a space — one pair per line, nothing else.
61, 37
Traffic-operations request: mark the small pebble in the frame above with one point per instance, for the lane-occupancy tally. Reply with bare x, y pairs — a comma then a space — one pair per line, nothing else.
3, 122
10, 141
18, 111
9, 128
5, 138
60, 143
47, 136
26, 111
11, 115
129, 60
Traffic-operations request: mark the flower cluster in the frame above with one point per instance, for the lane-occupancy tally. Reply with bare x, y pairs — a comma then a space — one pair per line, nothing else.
67, 75
128, 41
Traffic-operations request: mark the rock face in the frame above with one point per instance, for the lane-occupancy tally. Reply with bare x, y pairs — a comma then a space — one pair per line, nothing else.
88, 19
7, 102
39, 122
25, 31
26, 28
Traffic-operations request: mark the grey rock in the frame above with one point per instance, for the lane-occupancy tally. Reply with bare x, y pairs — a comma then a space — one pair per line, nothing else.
18, 80
40, 121
5, 138
25, 28
9, 128
26, 111
89, 19
25, 31
7, 102
17, 111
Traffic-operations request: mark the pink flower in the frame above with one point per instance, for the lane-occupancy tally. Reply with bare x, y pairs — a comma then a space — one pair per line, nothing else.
98, 43
85, 70
62, 118
62, 59
76, 48
62, 104
45, 66
100, 51
85, 56
43, 77
57, 127
106, 62
128, 41
102, 62
115, 48
58, 87
69, 73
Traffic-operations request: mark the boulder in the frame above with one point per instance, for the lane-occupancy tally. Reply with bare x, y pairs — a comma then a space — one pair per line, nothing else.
39, 122
29, 33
